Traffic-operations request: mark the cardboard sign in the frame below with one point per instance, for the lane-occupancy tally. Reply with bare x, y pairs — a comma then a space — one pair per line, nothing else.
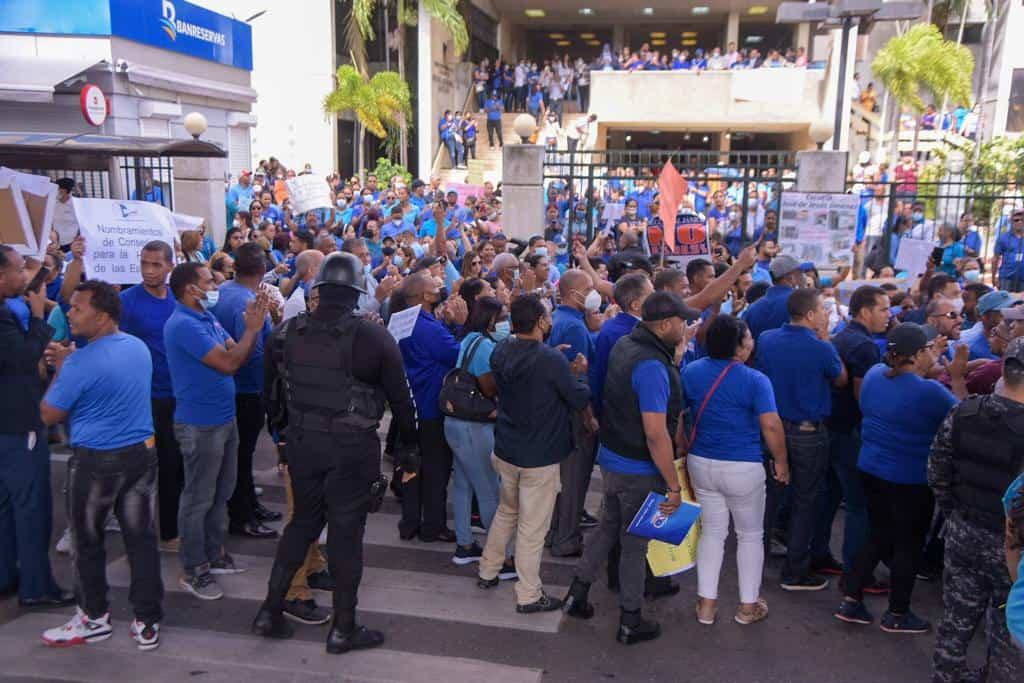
912, 257
15, 223
115, 232
818, 227
402, 323
308, 192
40, 197
692, 240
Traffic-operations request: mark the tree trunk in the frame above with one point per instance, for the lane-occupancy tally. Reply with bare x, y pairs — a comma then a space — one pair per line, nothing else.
959, 41
403, 127
361, 153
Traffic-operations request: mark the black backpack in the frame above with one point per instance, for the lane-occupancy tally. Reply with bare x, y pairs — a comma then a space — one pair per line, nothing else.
461, 396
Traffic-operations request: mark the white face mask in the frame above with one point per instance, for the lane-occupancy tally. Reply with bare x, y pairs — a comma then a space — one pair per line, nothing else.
257, 187
593, 301
972, 275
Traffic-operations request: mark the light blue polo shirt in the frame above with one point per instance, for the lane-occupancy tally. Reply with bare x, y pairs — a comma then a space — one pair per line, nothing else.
104, 389
204, 397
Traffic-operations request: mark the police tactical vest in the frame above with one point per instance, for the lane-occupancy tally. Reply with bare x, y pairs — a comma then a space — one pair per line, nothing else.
622, 429
322, 393
988, 445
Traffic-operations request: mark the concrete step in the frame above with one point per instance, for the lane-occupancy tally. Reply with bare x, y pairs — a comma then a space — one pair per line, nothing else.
389, 591
213, 657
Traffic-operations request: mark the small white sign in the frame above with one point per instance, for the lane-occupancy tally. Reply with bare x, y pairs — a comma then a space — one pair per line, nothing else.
308, 192
115, 232
913, 256
402, 323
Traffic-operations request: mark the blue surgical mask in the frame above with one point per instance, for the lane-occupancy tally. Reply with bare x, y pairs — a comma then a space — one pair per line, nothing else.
502, 329
212, 297
398, 261
541, 251
972, 275
918, 216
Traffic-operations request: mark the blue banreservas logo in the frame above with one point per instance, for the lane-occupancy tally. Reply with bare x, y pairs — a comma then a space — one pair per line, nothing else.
167, 22
173, 26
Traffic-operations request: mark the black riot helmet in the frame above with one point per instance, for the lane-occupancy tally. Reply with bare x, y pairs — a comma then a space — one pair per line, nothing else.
344, 269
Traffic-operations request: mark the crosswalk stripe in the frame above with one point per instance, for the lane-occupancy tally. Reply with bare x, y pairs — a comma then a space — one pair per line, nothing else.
214, 657
389, 591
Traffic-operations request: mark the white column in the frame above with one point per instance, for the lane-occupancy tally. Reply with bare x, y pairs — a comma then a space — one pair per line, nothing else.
732, 28
803, 37
426, 131
828, 111
618, 36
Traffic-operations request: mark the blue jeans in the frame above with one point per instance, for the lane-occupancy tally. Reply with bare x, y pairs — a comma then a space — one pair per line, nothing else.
210, 455
843, 482
26, 515
472, 444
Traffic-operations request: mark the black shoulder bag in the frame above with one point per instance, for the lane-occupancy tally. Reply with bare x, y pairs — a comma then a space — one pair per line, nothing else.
461, 396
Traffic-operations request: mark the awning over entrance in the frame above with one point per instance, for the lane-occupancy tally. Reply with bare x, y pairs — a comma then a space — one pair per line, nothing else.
176, 82
92, 151
33, 79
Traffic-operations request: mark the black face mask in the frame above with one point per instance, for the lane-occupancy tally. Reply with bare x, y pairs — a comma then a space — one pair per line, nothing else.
442, 296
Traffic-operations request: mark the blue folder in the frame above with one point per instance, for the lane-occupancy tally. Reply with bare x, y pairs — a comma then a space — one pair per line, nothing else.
649, 521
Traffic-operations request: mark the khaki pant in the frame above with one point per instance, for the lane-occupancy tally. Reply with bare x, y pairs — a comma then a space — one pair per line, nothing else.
527, 501
314, 558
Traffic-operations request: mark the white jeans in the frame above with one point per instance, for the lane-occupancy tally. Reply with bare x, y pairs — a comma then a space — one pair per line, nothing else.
722, 488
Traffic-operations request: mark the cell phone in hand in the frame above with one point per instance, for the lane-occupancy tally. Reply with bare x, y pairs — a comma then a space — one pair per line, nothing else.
38, 280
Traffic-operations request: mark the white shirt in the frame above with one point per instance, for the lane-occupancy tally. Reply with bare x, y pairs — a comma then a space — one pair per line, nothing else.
580, 129
65, 222
925, 230
520, 80
368, 302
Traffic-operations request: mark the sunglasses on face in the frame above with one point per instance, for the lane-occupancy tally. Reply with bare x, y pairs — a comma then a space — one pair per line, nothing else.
952, 315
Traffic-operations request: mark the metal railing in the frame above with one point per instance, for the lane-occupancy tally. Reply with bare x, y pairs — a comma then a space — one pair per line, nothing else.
602, 177
155, 175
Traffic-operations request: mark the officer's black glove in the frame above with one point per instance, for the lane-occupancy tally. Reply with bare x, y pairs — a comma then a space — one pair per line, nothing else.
407, 457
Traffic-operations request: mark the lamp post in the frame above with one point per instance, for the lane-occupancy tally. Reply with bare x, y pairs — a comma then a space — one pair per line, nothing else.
844, 15
195, 124
524, 125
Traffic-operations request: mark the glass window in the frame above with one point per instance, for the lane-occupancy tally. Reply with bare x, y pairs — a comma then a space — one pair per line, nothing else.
1015, 112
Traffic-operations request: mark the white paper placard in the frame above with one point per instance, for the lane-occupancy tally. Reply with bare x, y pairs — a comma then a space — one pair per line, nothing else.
913, 256
115, 232
183, 222
402, 323
308, 192
818, 227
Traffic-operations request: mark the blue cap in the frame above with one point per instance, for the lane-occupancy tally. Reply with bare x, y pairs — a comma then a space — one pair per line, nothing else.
993, 301
559, 239
388, 231
499, 236
807, 266
452, 234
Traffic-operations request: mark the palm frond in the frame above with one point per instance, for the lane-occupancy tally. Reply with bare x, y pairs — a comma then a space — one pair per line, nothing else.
922, 60
447, 14
356, 41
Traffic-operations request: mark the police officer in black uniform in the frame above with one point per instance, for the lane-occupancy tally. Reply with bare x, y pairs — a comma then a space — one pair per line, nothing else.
977, 453
330, 373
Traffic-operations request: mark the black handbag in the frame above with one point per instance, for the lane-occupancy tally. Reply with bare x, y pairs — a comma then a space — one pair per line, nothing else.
461, 396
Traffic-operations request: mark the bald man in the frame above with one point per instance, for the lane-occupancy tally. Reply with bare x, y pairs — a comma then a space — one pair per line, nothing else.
568, 327
307, 263
506, 267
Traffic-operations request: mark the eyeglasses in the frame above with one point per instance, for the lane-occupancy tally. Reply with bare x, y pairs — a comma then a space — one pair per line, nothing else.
952, 315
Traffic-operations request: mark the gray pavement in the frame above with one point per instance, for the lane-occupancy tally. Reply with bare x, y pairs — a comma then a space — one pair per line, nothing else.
440, 627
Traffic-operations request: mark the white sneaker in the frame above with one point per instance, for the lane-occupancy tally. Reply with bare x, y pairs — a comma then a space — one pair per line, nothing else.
146, 635
64, 543
258, 490
79, 630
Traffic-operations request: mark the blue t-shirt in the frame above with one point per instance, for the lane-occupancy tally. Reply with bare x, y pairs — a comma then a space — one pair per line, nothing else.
769, 312
1011, 248
428, 354
730, 428
981, 348
205, 397
144, 316
801, 368
568, 327
230, 313
481, 364
20, 310
901, 416
104, 388
651, 385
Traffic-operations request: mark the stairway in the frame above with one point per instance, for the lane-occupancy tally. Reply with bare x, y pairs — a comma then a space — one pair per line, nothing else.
487, 165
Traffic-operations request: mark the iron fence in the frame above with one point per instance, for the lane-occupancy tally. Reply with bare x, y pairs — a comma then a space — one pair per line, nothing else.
155, 175
607, 177
93, 184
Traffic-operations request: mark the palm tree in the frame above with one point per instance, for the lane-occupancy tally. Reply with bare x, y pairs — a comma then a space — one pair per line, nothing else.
377, 102
922, 60
359, 30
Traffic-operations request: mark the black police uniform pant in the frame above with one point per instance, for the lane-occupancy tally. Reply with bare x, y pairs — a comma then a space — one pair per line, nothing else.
425, 496
331, 478
250, 416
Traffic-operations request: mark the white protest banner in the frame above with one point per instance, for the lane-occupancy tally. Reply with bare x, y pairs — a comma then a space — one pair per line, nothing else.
402, 323
308, 192
818, 227
183, 222
912, 258
295, 304
40, 196
115, 232
15, 223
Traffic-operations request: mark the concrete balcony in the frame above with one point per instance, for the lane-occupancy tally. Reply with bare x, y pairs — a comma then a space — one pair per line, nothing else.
761, 100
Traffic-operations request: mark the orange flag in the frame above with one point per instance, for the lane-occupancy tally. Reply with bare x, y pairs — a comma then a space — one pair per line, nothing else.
671, 189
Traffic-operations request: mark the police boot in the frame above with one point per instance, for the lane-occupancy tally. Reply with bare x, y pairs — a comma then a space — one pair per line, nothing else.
633, 628
575, 603
270, 621
345, 636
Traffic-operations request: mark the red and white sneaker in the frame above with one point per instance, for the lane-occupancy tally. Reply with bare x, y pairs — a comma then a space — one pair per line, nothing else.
146, 635
79, 630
